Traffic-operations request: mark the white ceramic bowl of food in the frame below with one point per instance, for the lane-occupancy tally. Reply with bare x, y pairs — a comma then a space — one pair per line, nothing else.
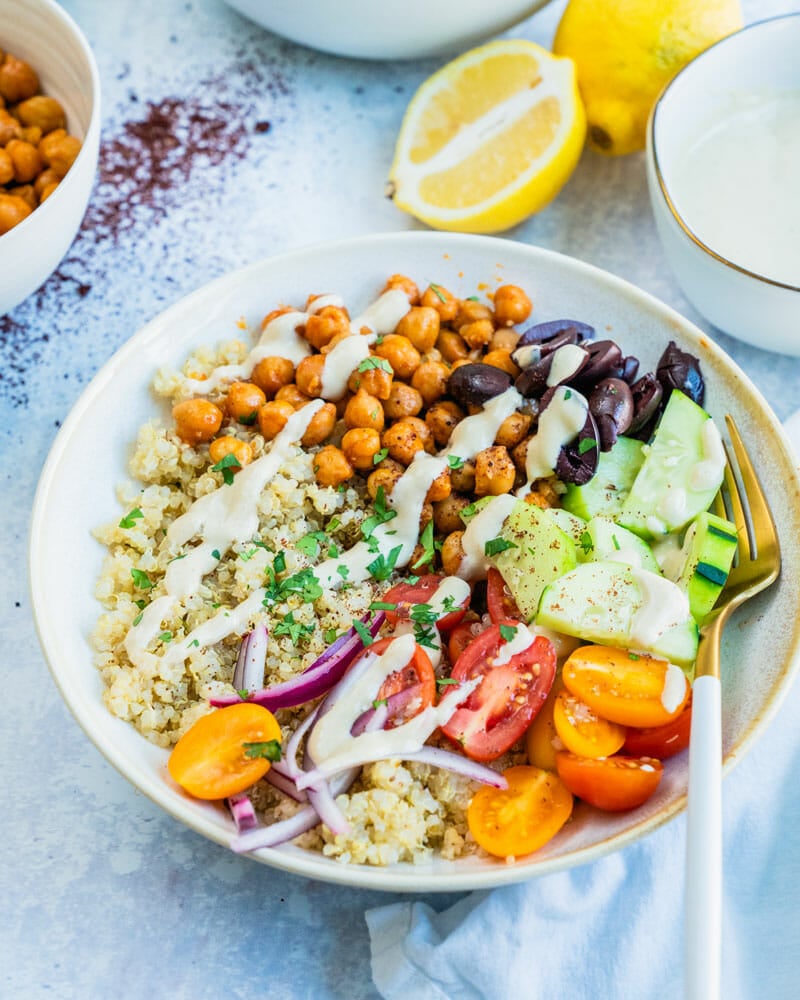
396, 29
723, 148
94, 445
42, 34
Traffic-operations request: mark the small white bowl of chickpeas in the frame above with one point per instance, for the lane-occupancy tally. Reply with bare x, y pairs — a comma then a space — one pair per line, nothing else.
49, 140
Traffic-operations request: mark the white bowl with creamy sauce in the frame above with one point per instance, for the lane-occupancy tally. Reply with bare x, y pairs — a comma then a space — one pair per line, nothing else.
723, 164
98, 434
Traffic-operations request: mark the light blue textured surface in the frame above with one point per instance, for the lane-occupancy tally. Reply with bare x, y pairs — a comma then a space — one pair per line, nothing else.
101, 894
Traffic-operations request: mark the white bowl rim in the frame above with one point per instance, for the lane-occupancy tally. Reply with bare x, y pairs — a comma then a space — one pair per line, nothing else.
653, 147
308, 863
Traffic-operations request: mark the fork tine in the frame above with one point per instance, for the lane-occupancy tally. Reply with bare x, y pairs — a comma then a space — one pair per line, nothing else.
719, 506
737, 514
762, 525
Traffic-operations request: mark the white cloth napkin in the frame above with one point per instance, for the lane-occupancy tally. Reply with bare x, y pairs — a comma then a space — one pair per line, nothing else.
614, 929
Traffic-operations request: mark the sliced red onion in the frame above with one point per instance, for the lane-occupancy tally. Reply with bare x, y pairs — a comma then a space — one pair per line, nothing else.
319, 678
290, 756
286, 785
459, 764
242, 811
248, 674
396, 705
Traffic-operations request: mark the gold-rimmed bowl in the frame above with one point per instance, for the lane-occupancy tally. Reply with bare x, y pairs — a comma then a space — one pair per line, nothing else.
726, 199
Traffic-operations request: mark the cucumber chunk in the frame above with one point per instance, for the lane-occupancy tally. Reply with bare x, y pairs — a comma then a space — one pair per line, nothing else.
612, 543
681, 473
606, 491
709, 548
612, 603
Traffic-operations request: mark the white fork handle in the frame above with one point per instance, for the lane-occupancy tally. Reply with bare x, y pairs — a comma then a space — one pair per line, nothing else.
703, 916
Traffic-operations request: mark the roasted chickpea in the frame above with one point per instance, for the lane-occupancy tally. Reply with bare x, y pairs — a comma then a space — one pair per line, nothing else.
331, 466
405, 285
421, 326
494, 472
47, 190
400, 353
504, 339
404, 401
44, 112
425, 516
10, 128
28, 195
430, 380
341, 404
442, 418
243, 402
272, 417
309, 375
452, 552
32, 134
292, 395
440, 488
444, 302
513, 429
196, 420
364, 410
45, 178
447, 513
519, 455
360, 446
405, 438
12, 211
469, 311
451, 346
323, 326
511, 305
320, 426
6, 167
463, 478
274, 314
477, 334
18, 79
501, 359
372, 377
271, 374
59, 151
222, 446
384, 475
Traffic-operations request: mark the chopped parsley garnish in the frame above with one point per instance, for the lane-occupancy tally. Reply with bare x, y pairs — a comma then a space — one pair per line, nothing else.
279, 562
195, 642
425, 635
334, 523
330, 635
455, 462
227, 466
303, 583
131, 518
176, 558
380, 703
166, 637
568, 394
429, 546
216, 553
381, 516
587, 444
507, 632
138, 618
141, 579
473, 298
494, 546
249, 419
312, 543
450, 604
372, 362
437, 291
633, 656
586, 542
244, 694
269, 749
380, 455
363, 632
247, 556
615, 540
412, 580
141, 605
382, 606
444, 681
469, 510
343, 571
295, 630
424, 614
383, 567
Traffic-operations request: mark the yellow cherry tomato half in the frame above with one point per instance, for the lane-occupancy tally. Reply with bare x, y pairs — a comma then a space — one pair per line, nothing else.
581, 729
210, 760
632, 689
541, 739
523, 817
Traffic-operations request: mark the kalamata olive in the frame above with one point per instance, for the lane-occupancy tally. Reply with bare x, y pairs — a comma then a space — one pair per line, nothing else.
542, 332
679, 370
577, 461
647, 394
532, 382
604, 361
529, 354
629, 369
611, 405
473, 384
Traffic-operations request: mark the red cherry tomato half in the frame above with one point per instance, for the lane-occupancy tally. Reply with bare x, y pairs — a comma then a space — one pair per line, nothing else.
461, 636
508, 697
416, 680
614, 784
661, 741
406, 595
499, 600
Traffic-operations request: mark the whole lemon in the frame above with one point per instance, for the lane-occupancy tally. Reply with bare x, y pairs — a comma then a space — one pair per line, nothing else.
626, 51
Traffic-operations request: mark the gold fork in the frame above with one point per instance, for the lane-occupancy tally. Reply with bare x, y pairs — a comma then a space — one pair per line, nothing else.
758, 565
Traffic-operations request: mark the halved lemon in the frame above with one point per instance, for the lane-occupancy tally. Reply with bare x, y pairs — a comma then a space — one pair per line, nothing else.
489, 139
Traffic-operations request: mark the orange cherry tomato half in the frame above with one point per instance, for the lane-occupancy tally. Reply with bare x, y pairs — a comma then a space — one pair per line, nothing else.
210, 760
541, 738
499, 600
581, 729
508, 696
633, 689
661, 741
406, 595
461, 636
610, 783
416, 679
523, 817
